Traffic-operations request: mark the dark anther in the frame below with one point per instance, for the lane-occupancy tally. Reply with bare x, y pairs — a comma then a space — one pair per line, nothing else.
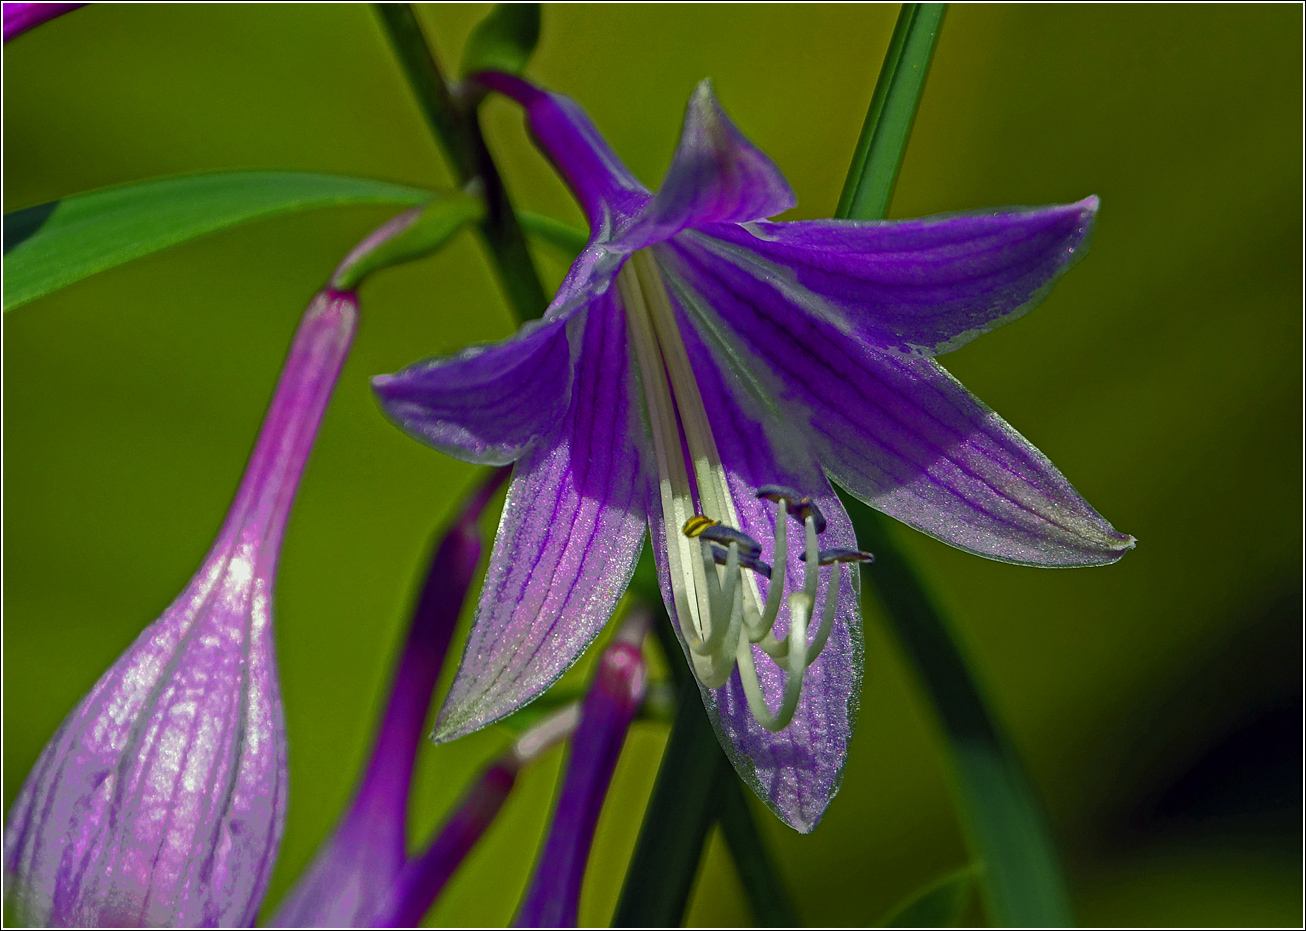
720, 533
839, 554
798, 505
745, 562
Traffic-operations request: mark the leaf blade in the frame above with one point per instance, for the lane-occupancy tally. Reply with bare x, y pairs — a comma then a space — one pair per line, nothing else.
99, 230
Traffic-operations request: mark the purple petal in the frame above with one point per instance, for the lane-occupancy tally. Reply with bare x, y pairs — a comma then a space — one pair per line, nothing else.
554, 894
567, 542
929, 285
488, 404
20, 17
717, 176
606, 189
899, 432
352, 878
161, 800
798, 770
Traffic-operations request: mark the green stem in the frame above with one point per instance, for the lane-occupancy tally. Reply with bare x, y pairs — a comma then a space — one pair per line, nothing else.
766, 894
457, 130
883, 142
1021, 876
662, 868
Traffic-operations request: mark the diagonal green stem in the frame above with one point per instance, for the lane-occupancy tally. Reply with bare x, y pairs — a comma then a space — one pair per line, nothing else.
456, 127
869, 186
1021, 875
695, 785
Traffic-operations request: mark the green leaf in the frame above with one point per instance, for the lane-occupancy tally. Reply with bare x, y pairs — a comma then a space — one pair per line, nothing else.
1021, 880
562, 236
504, 40
883, 142
939, 905
58, 243
431, 229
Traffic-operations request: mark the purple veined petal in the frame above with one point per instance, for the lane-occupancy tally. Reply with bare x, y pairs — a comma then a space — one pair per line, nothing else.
161, 799
553, 898
797, 771
609, 194
21, 17
352, 878
488, 404
899, 432
716, 176
567, 542
925, 286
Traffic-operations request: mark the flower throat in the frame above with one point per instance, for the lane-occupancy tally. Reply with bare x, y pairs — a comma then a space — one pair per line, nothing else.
718, 605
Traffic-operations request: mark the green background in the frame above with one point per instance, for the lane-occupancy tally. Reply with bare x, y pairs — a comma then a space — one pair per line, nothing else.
1156, 702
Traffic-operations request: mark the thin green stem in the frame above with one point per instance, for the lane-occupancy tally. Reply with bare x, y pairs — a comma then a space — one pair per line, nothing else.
883, 142
456, 126
1021, 876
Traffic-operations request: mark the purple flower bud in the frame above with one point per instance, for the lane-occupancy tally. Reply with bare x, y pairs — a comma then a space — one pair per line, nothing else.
425, 876
20, 17
619, 685
353, 876
161, 799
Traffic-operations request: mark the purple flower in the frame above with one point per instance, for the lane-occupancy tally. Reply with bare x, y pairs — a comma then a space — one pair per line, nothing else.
20, 17
161, 799
702, 370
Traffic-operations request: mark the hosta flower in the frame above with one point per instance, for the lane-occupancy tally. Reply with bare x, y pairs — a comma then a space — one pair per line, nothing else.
161, 799
700, 372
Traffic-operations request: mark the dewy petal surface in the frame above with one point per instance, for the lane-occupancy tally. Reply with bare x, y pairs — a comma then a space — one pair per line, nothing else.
929, 285
899, 432
566, 545
716, 176
488, 404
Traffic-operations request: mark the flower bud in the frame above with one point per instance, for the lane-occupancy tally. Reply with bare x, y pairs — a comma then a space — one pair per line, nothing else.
161, 798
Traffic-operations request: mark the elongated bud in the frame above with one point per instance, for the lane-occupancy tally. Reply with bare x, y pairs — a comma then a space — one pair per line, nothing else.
354, 873
619, 685
20, 17
161, 799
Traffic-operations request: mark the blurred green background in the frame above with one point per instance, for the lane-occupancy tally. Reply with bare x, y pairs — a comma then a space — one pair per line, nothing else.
1157, 702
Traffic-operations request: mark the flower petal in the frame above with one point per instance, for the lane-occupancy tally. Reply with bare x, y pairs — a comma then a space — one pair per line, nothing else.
487, 404
606, 189
796, 771
897, 430
567, 543
717, 176
930, 285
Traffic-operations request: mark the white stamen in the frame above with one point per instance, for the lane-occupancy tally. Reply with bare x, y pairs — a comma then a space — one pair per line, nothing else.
719, 608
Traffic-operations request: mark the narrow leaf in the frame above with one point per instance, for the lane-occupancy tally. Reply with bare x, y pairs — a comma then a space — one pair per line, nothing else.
939, 905
1021, 878
562, 236
504, 40
869, 187
88, 233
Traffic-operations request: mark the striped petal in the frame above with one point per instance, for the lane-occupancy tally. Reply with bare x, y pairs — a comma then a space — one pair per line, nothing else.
925, 286
488, 404
717, 176
566, 545
897, 430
